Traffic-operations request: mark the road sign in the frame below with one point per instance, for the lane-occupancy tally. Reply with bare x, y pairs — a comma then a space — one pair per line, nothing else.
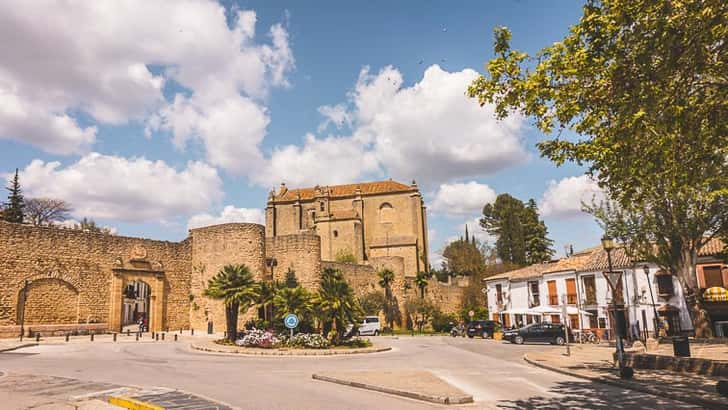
291, 321
471, 313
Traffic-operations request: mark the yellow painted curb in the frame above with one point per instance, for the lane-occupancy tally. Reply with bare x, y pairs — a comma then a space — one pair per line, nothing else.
132, 404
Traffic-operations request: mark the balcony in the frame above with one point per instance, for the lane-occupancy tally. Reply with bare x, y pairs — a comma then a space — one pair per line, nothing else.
553, 300
571, 299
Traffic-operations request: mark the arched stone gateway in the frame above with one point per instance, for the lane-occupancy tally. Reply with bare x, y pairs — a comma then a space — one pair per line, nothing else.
138, 272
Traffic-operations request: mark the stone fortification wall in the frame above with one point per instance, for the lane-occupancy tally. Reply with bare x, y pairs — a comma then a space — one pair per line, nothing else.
448, 296
71, 272
300, 253
213, 247
362, 278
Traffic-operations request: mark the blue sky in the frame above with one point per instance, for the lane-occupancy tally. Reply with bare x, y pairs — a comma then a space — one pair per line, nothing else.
154, 118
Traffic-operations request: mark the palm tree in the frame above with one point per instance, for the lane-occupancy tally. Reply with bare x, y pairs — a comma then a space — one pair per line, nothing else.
268, 290
386, 277
296, 300
335, 303
234, 285
421, 281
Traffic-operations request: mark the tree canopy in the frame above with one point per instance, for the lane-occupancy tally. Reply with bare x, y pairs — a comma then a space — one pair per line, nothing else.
13, 211
522, 238
641, 87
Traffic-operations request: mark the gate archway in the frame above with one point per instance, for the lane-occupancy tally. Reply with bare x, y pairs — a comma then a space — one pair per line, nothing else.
153, 297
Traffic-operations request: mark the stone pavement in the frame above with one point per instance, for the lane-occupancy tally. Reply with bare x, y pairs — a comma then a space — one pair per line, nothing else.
415, 384
595, 363
26, 391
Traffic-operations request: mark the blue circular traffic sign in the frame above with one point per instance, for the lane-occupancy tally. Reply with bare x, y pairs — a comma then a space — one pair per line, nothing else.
291, 321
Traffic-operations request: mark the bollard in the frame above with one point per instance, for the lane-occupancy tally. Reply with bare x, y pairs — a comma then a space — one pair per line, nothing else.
137, 337
175, 337
37, 336
152, 335
162, 336
180, 331
192, 332
66, 336
224, 334
128, 332
92, 337
114, 336
157, 336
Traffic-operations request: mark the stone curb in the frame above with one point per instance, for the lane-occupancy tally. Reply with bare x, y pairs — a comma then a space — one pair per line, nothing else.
132, 404
404, 393
24, 345
708, 403
294, 352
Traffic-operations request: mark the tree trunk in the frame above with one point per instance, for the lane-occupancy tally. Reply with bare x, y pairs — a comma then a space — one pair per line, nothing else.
231, 320
686, 273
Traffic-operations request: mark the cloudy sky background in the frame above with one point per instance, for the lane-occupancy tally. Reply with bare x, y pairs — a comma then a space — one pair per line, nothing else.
153, 117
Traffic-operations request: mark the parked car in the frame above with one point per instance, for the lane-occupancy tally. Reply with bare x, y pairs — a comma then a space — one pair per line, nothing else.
370, 326
538, 332
482, 328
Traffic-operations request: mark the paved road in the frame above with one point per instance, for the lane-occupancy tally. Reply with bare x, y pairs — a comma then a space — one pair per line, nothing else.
493, 372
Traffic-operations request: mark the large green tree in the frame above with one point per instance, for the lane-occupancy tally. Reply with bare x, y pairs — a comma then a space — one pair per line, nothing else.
641, 87
297, 300
391, 305
234, 285
522, 238
463, 257
13, 211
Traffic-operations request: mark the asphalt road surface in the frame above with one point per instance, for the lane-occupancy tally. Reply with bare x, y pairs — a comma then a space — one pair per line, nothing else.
493, 372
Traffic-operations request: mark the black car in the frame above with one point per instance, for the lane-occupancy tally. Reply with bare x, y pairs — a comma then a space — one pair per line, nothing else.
482, 328
538, 332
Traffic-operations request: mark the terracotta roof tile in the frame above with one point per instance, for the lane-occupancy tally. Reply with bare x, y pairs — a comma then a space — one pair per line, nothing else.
367, 188
713, 247
527, 272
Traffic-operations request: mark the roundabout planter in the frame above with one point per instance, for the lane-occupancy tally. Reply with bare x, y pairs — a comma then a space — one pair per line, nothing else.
212, 347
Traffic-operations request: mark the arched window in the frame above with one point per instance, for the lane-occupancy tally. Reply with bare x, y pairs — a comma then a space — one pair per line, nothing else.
386, 213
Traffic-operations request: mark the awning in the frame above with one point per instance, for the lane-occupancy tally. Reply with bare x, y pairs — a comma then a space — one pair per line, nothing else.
716, 294
519, 312
667, 308
545, 310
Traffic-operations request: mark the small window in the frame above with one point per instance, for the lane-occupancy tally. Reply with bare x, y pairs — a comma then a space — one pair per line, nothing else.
372, 320
664, 285
386, 213
336, 234
713, 276
322, 207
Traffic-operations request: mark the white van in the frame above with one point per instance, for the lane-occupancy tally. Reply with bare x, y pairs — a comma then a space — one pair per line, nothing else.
370, 326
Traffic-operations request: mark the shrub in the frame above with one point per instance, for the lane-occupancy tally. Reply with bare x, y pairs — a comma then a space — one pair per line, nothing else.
356, 342
442, 322
258, 338
307, 340
345, 256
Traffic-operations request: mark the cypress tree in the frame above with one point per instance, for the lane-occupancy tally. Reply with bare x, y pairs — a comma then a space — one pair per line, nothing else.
13, 211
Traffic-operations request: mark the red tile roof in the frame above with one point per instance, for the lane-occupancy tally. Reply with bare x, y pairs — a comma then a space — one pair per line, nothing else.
366, 188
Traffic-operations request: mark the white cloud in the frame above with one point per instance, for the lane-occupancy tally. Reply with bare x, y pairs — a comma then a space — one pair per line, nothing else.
112, 60
135, 190
563, 199
430, 131
229, 214
460, 199
332, 160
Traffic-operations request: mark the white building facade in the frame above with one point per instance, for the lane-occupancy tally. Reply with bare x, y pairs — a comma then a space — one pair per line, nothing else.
539, 292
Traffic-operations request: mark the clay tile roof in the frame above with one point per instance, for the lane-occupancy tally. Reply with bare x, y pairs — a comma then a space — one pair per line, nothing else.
598, 260
575, 262
713, 247
367, 188
527, 272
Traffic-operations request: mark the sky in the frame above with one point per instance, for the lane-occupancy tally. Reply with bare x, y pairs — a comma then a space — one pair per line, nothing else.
154, 117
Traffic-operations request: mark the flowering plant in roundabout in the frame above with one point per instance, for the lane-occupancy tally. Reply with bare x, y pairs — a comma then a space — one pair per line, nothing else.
267, 340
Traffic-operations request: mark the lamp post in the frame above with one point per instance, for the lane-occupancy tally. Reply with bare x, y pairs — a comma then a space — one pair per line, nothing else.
613, 280
22, 311
646, 269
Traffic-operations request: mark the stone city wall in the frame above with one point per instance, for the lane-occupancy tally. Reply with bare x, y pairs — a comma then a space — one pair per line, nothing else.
70, 274
300, 253
213, 247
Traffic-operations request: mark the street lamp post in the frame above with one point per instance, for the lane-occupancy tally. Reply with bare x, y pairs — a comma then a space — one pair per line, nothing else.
613, 277
646, 269
22, 311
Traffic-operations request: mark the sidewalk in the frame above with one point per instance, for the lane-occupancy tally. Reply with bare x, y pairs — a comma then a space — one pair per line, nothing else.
595, 363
